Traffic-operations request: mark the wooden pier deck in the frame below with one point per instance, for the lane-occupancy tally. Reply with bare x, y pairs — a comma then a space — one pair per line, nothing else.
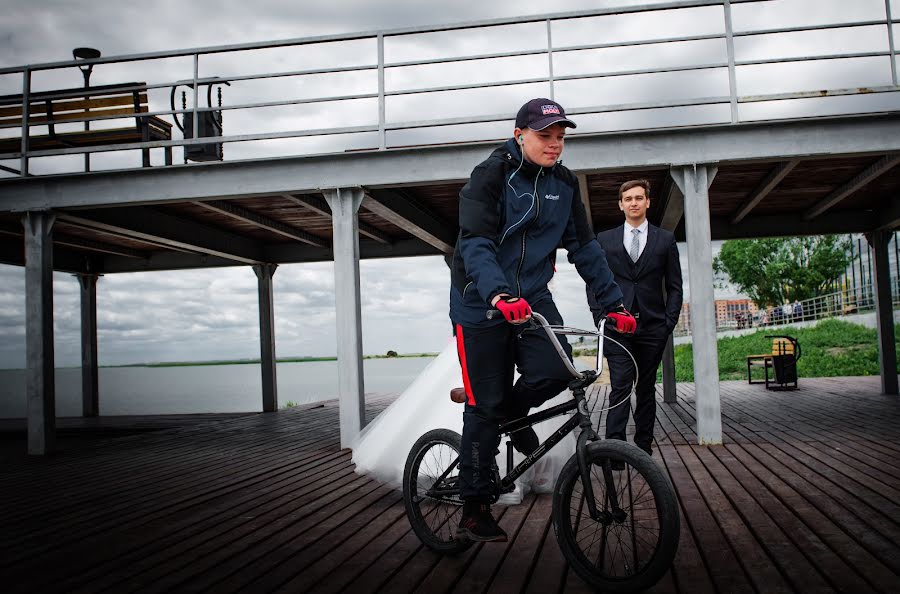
804, 496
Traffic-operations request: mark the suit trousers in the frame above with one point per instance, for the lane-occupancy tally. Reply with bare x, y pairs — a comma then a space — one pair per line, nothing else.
647, 349
488, 356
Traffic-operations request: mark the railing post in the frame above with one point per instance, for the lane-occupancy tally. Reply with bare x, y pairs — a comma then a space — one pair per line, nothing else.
195, 123
382, 140
550, 60
890, 32
26, 127
732, 75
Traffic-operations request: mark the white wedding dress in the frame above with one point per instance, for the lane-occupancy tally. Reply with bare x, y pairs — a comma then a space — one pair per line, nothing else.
383, 445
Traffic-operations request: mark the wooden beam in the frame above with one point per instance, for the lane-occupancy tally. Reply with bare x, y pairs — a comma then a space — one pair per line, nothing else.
263, 222
78, 242
879, 167
673, 204
149, 224
320, 206
762, 190
398, 209
585, 197
889, 218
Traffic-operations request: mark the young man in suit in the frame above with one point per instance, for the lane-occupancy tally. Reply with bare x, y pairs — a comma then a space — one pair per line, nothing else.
644, 261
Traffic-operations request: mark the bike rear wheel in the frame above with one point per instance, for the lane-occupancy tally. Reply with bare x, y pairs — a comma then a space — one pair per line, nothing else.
626, 550
431, 491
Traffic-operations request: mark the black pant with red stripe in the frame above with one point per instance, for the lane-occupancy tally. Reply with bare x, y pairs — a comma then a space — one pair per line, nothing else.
488, 357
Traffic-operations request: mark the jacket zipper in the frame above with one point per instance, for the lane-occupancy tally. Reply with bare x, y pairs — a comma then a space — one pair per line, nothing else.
537, 213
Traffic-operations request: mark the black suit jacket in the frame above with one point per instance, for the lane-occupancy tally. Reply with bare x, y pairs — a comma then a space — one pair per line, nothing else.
653, 282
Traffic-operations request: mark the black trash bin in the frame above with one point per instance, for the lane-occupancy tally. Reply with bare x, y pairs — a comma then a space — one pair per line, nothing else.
208, 126
784, 363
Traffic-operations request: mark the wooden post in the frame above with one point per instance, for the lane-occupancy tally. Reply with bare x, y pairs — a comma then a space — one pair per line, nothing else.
694, 182
264, 273
40, 374
344, 203
90, 390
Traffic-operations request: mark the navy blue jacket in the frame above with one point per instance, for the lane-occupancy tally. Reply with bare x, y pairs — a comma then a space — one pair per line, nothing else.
511, 221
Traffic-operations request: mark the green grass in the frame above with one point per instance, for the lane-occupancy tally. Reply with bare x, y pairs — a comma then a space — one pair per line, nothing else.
831, 348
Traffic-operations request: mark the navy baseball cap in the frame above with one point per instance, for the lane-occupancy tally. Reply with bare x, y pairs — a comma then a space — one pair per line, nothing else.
539, 113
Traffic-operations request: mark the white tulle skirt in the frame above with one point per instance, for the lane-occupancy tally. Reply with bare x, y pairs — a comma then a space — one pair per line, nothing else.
383, 445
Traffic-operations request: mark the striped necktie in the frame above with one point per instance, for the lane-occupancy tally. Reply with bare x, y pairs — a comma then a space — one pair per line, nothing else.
635, 251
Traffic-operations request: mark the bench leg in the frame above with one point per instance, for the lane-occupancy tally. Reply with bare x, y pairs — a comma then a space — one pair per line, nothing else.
168, 151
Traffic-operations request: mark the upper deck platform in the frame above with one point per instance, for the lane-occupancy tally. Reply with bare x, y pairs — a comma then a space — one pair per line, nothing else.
800, 113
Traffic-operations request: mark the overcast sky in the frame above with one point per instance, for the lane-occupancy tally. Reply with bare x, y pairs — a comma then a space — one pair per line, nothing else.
212, 314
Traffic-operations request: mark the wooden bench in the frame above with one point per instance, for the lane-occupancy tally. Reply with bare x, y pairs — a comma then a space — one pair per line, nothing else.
72, 107
782, 361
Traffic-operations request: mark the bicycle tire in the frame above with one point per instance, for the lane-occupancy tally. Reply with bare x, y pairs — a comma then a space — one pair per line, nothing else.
434, 520
630, 554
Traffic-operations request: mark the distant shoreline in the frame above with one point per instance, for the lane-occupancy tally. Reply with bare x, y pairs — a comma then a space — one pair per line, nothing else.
239, 361
256, 361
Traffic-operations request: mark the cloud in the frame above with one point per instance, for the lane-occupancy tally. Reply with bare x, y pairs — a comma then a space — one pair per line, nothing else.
209, 314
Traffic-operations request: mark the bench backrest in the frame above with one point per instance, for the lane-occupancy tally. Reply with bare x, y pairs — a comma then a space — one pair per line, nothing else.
782, 346
70, 105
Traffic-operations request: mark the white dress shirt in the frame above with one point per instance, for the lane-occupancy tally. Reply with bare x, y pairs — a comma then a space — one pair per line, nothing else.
642, 237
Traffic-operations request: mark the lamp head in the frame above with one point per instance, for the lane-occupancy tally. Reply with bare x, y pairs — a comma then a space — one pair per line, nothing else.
85, 53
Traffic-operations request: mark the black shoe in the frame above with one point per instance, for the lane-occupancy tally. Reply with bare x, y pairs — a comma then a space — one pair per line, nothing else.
478, 524
647, 449
616, 464
525, 440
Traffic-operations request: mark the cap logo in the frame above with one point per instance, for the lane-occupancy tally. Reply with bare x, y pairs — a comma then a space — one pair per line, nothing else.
549, 110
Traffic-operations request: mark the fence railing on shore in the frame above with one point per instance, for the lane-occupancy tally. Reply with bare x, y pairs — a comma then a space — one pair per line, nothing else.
851, 300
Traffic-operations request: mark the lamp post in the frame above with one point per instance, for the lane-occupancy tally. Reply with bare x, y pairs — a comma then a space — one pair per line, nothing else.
86, 53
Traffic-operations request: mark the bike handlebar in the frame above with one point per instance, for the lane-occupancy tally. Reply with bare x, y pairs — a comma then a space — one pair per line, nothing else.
539, 321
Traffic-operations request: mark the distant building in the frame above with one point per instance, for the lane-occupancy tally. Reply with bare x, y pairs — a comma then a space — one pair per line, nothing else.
730, 313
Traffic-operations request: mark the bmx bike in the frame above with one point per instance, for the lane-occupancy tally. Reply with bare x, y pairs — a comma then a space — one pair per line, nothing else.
618, 529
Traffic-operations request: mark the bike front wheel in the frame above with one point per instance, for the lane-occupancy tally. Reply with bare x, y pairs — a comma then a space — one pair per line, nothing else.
632, 542
431, 491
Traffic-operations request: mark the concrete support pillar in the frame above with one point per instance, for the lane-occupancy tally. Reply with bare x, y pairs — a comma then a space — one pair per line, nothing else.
344, 203
668, 374
694, 182
884, 312
39, 375
90, 389
264, 273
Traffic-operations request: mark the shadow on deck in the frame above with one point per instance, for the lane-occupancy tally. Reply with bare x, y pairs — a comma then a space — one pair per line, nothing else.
802, 497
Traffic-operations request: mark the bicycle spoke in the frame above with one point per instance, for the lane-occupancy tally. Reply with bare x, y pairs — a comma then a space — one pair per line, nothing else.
623, 543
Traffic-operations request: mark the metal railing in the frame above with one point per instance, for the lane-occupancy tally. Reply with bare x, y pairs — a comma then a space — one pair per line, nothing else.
703, 43
851, 300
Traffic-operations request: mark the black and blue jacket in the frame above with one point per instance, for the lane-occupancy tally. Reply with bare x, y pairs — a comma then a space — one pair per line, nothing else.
511, 221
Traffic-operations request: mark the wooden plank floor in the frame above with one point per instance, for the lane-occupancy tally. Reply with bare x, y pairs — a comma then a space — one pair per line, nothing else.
803, 496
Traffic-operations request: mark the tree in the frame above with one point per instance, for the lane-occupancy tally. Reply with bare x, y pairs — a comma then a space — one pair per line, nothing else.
780, 270
391, 354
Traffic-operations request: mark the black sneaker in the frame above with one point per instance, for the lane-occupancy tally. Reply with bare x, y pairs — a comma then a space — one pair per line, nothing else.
525, 440
478, 524
616, 464
647, 449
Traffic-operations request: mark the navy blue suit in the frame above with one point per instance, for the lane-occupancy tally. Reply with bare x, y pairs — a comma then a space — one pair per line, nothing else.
651, 289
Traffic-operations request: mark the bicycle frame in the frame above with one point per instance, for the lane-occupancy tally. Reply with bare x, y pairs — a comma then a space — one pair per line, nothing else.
581, 419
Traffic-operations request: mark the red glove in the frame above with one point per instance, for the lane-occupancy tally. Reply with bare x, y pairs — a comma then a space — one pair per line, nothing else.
624, 321
515, 309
